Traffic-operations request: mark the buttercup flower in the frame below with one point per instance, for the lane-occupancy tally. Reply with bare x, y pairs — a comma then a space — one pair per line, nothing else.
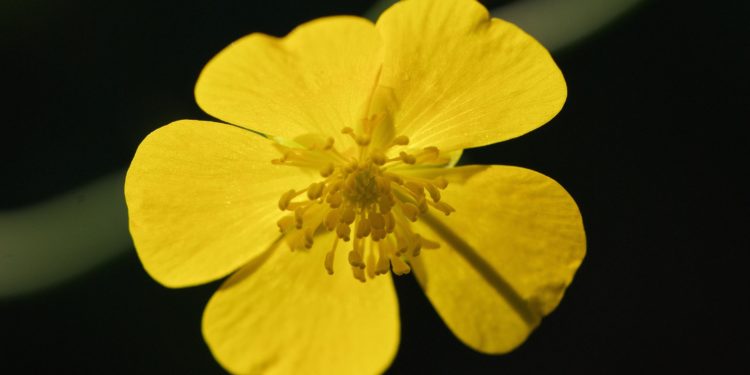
337, 171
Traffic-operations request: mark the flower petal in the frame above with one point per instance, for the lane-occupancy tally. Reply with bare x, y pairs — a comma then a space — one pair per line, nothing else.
202, 200
288, 316
506, 256
461, 79
315, 80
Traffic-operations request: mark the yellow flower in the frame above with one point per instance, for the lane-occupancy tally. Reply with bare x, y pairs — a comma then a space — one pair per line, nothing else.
342, 149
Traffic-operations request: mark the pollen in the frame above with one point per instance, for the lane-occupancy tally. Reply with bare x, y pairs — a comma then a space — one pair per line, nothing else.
365, 197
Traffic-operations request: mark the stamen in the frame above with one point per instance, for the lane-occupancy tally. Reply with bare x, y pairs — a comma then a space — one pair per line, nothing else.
377, 221
406, 158
347, 215
358, 274
314, 190
383, 264
355, 259
410, 211
343, 230
285, 224
363, 227
401, 140
357, 193
441, 182
328, 263
332, 218
399, 266
327, 170
443, 207
370, 268
298, 215
378, 157
416, 188
434, 192
286, 198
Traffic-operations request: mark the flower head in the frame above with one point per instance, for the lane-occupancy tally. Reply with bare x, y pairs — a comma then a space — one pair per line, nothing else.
344, 139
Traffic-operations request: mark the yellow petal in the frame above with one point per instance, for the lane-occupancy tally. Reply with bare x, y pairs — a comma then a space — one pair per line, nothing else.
288, 316
506, 256
202, 200
315, 80
461, 79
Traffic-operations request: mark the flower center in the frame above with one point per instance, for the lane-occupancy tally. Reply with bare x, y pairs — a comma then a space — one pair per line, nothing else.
366, 197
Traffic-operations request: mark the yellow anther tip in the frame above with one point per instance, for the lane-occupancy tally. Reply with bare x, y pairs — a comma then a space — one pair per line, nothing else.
401, 140
329, 262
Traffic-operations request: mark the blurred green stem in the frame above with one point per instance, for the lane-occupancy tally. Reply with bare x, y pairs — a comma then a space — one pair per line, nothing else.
559, 24
50, 242
53, 241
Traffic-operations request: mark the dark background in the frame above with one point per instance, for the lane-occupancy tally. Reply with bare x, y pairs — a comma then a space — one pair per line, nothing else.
650, 143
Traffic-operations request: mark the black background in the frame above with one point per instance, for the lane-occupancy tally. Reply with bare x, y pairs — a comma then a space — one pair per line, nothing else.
650, 143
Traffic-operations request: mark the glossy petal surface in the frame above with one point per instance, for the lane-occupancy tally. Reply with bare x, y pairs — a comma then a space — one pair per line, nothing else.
459, 79
286, 315
506, 256
315, 80
202, 200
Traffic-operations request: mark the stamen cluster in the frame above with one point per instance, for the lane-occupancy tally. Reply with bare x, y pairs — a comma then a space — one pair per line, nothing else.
363, 200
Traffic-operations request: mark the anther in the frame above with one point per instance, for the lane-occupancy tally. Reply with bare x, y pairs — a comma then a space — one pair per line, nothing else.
415, 188
434, 192
395, 179
440, 182
390, 222
331, 219
358, 274
348, 215
381, 268
328, 263
355, 259
444, 208
401, 140
314, 190
422, 204
327, 171
377, 221
399, 266
334, 200
384, 185
401, 244
385, 203
362, 140
343, 230
432, 150
299, 212
309, 238
410, 211
417, 245
286, 198
378, 234
406, 158
285, 224
370, 268
428, 244
378, 157
363, 227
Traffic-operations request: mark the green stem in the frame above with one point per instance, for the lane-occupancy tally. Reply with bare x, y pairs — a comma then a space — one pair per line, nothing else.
49, 242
